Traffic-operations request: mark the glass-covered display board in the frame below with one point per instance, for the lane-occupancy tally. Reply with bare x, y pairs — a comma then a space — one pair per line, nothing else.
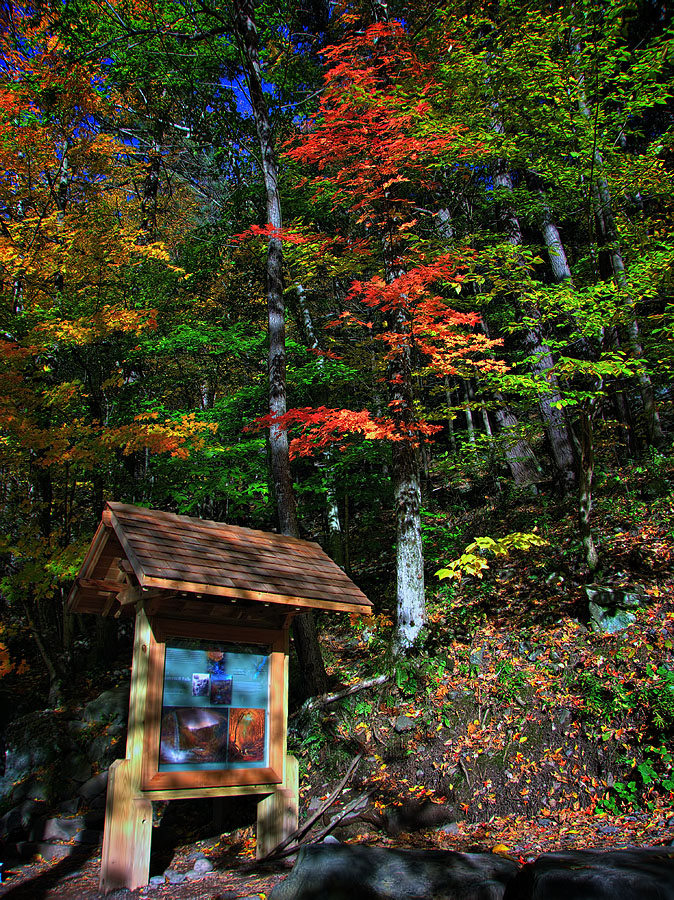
215, 706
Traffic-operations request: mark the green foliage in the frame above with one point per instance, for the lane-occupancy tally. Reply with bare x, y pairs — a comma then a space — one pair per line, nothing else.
658, 695
512, 682
606, 698
611, 701
362, 708
406, 675
654, 774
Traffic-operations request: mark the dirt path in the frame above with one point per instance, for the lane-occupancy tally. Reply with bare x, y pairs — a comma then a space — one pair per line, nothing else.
236, 877
76, 878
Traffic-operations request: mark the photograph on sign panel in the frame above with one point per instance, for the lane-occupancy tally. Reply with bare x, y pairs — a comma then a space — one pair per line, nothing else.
221, 690
246, 735
192, 735
201, 684
215, 704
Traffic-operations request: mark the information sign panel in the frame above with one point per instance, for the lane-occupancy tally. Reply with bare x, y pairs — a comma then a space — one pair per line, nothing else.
215, 706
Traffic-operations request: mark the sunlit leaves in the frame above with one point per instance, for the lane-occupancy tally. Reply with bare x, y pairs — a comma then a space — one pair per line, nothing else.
475, 558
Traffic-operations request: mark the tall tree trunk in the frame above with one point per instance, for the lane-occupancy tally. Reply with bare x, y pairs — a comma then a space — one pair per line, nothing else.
410, 592
561, 271
468, 409
150, 197
541, 362
450, 416
585, 449
653, 426
334, 528
410, 587
304, 628
520, 457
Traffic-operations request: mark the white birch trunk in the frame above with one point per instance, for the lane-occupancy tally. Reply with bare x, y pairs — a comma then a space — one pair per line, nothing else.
410, 590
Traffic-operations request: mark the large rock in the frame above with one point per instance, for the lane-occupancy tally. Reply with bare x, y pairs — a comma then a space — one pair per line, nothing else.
50, 757
110, 706
642, 874
36, 743
352, 872
611, 609
18, 821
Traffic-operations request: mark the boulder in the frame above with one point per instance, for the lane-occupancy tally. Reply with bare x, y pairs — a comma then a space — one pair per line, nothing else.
640, 874
611, 609
105, 748
110, 706
416, 815
50, 759
19, 820
61, 829
94, 787
76, 767
35, 742
404, 724
352, 872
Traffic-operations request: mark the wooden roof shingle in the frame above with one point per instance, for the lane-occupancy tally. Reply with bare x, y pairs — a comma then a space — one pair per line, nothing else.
164, 558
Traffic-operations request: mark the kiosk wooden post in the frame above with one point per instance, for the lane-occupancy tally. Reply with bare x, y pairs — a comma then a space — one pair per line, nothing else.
278, 814
208, 705
127, 835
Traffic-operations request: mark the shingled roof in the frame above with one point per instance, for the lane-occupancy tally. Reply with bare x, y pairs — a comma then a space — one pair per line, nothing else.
186, 567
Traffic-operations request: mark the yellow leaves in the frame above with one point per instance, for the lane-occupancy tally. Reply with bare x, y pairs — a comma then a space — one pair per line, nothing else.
500, 849
363, 730
175, 437
61, 395
157, 250
474, 561
85, 330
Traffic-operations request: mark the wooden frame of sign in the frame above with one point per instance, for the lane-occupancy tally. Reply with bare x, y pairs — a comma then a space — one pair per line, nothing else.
136, 781
165, 784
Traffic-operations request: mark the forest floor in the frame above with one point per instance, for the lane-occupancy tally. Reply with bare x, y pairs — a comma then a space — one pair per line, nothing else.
237, 876
516, 729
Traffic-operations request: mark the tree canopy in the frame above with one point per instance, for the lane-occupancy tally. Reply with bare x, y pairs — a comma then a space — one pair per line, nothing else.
316, 269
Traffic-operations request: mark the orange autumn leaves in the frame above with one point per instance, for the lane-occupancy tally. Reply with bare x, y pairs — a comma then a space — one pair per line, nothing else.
70, 241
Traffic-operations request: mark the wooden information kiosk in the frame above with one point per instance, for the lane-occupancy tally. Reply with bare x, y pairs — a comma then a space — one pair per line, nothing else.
208, 708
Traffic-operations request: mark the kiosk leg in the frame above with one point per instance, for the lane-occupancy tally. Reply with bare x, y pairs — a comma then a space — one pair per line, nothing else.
277, 814
125, 860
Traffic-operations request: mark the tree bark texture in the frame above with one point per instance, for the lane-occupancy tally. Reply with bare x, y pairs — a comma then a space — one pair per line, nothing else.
520, 457
410, 592
410, 588
278, 437
541, 361
451, 437
150, 199
334, 528
586, 453
304, 627
561, 271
